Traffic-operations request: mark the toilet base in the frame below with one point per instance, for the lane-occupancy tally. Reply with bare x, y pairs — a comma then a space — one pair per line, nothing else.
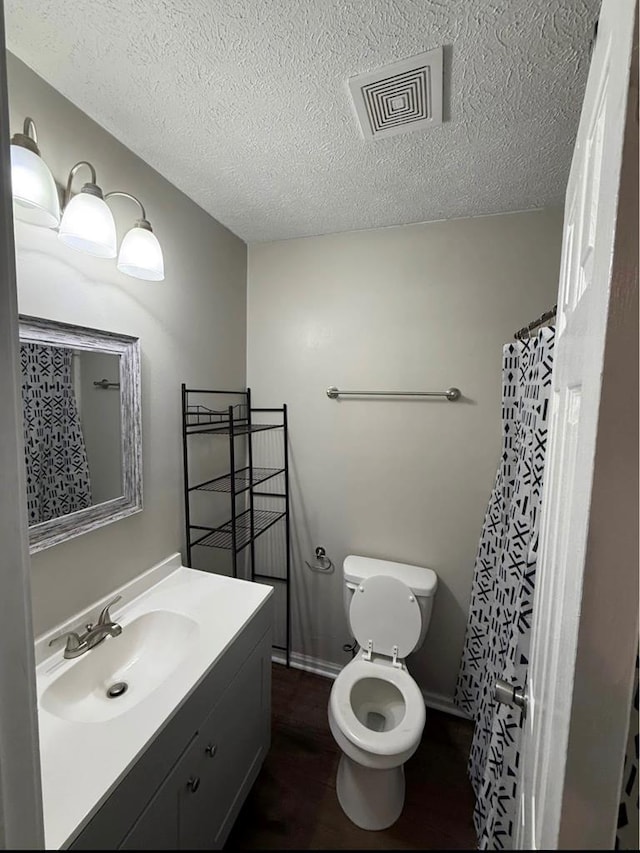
372, 799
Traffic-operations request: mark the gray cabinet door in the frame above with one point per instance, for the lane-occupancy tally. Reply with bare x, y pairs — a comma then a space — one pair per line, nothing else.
157, 826
230, 746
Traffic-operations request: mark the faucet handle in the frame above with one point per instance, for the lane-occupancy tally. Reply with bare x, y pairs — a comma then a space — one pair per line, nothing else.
72, 638
105, 616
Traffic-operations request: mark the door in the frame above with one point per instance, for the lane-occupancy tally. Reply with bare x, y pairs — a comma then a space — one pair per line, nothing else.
20, 791
584, 634
157, 827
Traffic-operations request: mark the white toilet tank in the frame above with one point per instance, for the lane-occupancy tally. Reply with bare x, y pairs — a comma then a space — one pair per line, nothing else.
423, 582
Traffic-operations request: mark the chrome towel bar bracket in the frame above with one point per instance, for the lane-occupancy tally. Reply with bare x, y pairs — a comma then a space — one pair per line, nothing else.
452, 394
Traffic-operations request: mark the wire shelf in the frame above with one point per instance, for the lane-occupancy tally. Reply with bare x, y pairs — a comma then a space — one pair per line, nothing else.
221, 537
239, 428
244, 480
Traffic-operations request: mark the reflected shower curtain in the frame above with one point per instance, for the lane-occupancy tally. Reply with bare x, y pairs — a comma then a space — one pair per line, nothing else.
498, 629
55, 454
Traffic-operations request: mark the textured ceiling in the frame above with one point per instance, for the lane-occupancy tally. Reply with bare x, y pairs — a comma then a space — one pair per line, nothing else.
244, 104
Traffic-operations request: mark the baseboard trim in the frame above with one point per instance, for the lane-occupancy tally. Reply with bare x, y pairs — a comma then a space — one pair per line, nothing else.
444, 704
309, 664
328, 669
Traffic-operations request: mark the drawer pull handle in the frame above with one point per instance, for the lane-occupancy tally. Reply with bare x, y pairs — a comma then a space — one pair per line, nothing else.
193, 784
211, 750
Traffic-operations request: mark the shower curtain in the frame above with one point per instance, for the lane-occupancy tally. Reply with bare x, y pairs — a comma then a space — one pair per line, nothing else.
498, 629
55, 454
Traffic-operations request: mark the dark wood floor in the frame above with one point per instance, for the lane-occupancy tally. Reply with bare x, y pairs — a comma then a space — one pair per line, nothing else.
293, 804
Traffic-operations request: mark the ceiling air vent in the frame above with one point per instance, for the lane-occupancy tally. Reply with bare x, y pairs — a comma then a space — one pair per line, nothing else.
401, 97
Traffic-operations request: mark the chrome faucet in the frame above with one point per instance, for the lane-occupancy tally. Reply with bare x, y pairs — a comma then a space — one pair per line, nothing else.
78, 644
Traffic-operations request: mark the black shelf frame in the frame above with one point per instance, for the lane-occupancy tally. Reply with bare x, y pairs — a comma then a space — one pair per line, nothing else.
242, 528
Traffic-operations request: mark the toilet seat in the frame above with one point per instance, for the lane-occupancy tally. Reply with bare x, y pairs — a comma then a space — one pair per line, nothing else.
405, 735
385, 617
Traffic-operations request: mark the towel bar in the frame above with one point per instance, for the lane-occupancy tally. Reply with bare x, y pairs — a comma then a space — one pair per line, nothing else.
452, 394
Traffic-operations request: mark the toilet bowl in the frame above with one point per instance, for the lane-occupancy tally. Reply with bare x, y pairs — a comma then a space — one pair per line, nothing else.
376, 710
376, 715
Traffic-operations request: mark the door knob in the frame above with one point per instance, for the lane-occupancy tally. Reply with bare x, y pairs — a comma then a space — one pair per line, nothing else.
507, 694
193, 784
211, 750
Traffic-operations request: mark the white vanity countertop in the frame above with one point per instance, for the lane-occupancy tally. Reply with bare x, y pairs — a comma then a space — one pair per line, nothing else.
81, 761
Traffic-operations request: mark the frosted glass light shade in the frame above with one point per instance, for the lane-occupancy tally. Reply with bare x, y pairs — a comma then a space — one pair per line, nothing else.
35, 197
141, 255
87, 225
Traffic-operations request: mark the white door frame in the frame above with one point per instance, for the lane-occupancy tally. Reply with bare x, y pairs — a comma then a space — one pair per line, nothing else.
21, 825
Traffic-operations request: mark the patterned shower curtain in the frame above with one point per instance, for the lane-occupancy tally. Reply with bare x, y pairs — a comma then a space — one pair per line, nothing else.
55, 454
498, 630
628, 816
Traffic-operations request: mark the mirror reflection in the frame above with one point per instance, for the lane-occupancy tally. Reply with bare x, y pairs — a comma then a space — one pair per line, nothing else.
72, 429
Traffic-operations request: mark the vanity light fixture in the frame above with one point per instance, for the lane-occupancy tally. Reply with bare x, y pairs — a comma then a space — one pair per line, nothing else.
140, 253
35, 195
87, 223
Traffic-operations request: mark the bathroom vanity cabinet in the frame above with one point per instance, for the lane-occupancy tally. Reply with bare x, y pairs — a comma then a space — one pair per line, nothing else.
184, 792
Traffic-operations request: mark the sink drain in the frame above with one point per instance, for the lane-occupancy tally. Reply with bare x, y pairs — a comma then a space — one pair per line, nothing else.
117, 689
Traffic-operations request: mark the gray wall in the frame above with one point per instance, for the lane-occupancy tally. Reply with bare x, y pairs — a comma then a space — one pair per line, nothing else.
192, 327
417, 307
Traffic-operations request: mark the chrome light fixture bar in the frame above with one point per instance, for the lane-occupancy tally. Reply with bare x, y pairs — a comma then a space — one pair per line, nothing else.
35, 195
140, 252
87, 223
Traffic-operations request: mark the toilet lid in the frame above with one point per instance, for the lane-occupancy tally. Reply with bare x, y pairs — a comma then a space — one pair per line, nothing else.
384, 610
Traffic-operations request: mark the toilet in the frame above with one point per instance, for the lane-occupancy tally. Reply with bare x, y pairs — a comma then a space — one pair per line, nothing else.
376, 709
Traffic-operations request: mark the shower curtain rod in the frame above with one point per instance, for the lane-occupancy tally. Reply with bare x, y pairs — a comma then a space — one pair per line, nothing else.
525, 331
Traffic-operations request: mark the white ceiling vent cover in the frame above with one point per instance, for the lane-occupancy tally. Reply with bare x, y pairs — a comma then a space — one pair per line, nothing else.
401, 97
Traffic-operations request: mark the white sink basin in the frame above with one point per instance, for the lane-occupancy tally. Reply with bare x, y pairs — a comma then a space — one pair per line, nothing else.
146, 653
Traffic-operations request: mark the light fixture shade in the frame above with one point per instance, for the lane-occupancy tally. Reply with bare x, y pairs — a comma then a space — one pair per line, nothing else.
141, 255
87, 225
35, 197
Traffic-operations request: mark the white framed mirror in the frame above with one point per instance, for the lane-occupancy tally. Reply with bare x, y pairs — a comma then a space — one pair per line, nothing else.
82, 428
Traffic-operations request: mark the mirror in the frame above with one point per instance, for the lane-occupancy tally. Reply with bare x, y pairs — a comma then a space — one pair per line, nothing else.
82, 435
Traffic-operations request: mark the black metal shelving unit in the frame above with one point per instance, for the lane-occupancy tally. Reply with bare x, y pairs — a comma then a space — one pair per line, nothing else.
244, 525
